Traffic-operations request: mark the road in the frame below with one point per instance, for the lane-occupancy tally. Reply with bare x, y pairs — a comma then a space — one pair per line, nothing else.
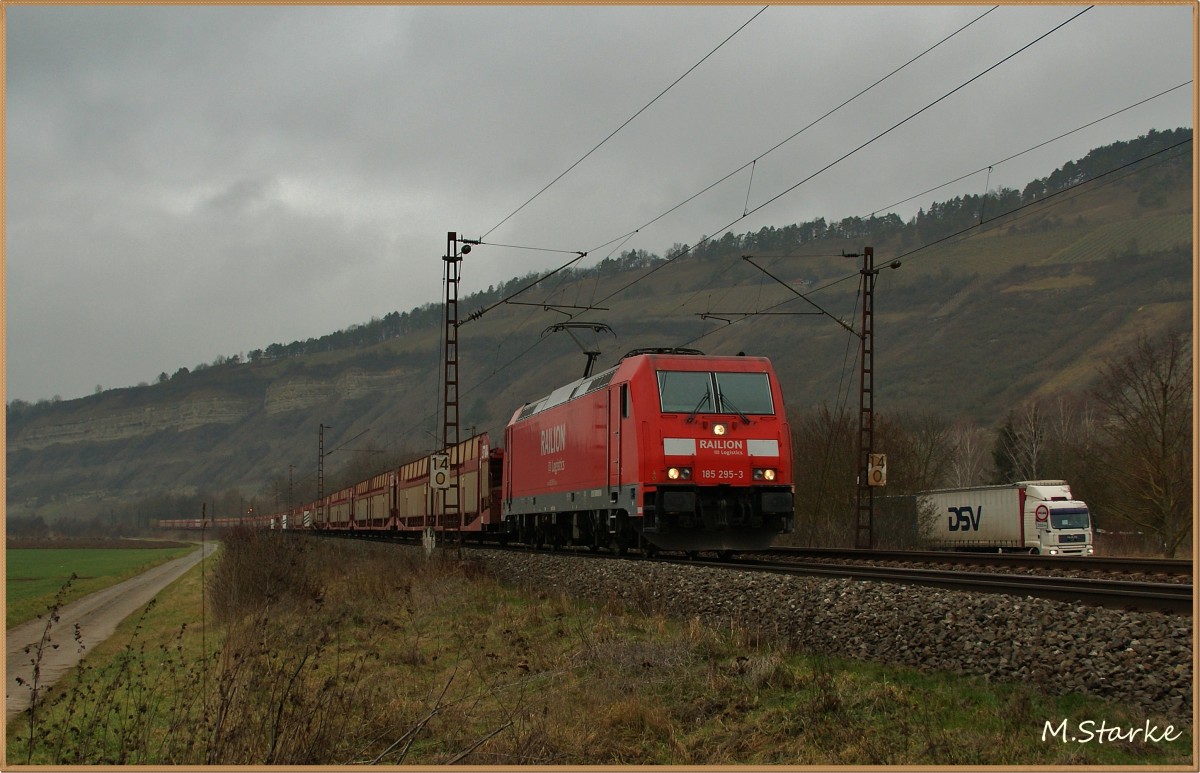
97, 616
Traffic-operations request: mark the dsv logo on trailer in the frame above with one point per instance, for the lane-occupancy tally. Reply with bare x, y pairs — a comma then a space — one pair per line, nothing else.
964, 518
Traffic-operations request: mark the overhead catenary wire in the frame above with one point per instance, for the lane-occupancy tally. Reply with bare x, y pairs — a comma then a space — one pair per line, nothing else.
1029, 150
580, 255
685, 250
794, 135
628, 235
850, 153
627, 121
937, 101
907, 199
1044, 202
843, 390
982, 169
688, 249
682, 252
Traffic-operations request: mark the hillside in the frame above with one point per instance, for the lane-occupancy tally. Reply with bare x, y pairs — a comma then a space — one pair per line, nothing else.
1025, 305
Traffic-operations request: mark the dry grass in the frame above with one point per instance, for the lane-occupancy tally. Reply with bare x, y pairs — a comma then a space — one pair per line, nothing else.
363, 653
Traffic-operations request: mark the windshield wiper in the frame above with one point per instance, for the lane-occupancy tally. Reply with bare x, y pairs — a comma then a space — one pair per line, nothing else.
692, 416
725, 402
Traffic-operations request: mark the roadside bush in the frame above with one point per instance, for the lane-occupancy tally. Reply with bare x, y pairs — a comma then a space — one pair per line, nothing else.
260, 569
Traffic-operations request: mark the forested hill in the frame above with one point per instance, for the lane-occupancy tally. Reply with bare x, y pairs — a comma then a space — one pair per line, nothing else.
943, 218
1037, 288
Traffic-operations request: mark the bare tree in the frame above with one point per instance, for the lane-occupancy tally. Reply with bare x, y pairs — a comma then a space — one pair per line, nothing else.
1144, 411
919, 451
1020, 444
969, 464
919, 455
825, 470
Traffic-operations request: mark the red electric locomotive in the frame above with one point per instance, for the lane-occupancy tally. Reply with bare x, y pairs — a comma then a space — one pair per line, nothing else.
670, 449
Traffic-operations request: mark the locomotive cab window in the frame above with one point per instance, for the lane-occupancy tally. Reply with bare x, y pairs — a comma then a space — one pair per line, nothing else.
744, 393
685, 392
694, 392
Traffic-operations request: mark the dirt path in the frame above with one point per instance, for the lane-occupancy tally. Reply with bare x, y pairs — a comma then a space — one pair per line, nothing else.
97, 615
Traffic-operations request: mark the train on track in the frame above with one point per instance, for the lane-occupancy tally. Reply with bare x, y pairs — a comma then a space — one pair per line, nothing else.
669, 450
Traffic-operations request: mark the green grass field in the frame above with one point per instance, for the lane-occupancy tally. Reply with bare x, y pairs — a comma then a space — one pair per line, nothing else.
35, 576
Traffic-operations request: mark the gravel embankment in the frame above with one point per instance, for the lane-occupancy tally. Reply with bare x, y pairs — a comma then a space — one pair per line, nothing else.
1143, 659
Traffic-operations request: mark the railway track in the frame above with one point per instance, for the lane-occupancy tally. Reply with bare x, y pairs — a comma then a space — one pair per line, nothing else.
1173, 597
1093, 567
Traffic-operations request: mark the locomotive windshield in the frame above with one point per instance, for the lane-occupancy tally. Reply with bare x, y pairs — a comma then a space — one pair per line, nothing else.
734, 393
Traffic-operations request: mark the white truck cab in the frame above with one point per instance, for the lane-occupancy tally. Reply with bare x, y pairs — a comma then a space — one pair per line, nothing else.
1061, 524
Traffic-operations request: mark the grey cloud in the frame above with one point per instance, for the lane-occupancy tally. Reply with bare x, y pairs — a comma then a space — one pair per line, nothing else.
214, 168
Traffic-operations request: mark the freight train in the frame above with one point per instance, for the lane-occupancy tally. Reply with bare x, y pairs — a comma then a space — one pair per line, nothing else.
669, 450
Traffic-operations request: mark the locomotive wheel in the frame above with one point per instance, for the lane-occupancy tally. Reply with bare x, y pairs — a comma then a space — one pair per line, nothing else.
649, 551
724, 555
617, 547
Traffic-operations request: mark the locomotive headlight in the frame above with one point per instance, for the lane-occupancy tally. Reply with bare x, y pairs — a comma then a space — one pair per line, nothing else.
719, 429
680, 473
764, 474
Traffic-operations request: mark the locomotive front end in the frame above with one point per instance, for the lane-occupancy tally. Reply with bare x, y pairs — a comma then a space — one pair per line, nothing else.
718, 464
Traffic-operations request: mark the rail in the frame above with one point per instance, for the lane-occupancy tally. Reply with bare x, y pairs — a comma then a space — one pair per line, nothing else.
1170, 597
1127, 565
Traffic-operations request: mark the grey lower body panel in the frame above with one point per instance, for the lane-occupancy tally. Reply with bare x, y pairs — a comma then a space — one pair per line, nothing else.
682, 518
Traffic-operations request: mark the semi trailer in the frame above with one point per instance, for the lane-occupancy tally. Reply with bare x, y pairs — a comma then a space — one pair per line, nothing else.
1036, 516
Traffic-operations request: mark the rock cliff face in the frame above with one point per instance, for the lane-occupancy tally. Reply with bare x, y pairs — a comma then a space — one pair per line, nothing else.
126, 424
303, 393
296, 394
234, 429
108, 424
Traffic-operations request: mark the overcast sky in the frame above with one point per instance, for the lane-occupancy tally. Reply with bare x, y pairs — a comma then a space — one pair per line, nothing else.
188, 182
